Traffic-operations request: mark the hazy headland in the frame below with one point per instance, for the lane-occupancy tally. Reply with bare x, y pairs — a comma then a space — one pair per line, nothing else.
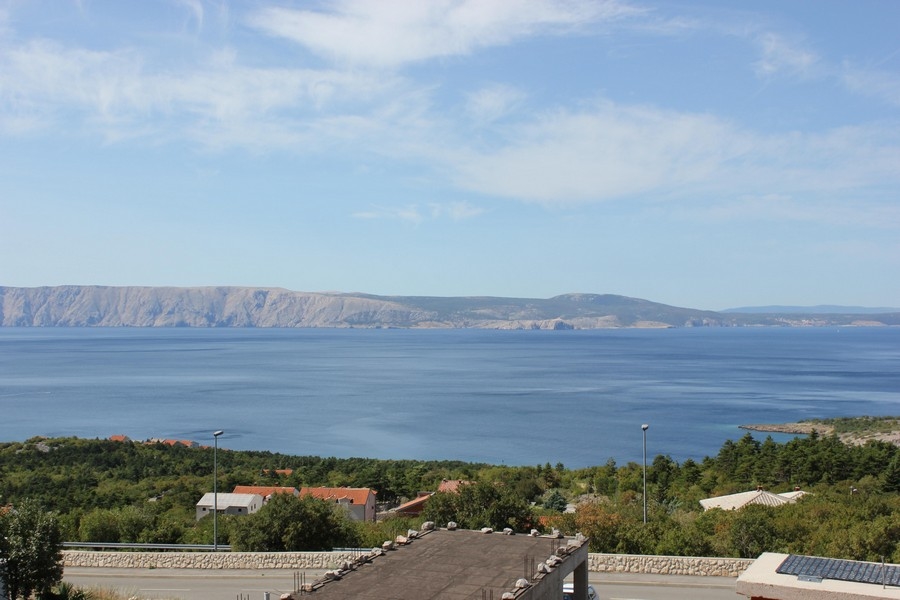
101, 306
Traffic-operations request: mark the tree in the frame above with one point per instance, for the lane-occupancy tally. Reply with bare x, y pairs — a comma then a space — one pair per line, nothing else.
287, 523
753, 531
661, 474
480, 505
555, 501
891, 476
99, 525
31, 543
600, 523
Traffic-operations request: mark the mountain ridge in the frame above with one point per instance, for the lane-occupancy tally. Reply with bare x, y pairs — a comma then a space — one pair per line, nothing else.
236, 306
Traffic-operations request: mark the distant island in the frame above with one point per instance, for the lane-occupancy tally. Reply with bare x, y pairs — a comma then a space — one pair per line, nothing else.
132, 306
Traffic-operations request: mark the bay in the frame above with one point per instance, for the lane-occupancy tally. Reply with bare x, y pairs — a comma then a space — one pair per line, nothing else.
502, 397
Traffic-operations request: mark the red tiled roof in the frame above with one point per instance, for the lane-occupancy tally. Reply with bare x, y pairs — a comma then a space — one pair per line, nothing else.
335, 494
119, 438
174, 442
263, 490
452, 485
285, 472
415, 505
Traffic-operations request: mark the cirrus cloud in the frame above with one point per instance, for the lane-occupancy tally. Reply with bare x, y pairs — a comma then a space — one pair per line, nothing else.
611, 151
393, 33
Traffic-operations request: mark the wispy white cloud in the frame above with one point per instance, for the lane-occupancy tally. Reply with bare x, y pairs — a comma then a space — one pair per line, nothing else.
416, 214
115, 94
493, 102
4, 19
780, 56
596, 152
613, 152
195, 9
410, 213
876, 83
456, 211
392, 33
599, 154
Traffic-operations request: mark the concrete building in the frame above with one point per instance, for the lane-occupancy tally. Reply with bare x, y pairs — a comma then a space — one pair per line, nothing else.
462, 565
229, 504
776, 576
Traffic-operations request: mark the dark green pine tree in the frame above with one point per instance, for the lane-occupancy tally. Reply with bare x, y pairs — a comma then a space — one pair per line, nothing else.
890, 479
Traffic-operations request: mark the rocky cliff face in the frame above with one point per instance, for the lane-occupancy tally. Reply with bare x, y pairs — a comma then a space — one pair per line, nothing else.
98, 306
88, 306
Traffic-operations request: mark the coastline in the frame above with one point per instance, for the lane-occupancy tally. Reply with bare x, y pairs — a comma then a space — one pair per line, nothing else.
800, 428
857, 438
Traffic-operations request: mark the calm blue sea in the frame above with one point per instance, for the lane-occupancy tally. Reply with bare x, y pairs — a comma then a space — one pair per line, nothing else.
504, 397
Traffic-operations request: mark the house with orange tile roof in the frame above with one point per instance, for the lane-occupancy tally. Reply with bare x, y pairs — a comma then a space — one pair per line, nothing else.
452, 485
414, 507
279, 472
359, 502
171, 442
265, 491
119, 438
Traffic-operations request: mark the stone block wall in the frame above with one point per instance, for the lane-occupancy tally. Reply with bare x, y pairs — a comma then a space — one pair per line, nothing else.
668, 565
206, 560
601, 563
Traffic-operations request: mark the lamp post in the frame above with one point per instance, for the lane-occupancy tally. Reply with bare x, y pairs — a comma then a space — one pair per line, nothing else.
644, 430
216, 435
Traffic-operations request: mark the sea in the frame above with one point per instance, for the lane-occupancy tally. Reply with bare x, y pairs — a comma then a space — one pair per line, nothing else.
501, 397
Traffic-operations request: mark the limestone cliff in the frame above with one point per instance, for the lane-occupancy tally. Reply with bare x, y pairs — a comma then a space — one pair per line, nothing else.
100, 306
90, 306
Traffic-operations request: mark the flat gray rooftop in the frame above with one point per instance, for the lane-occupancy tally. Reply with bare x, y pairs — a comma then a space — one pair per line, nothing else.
447, 564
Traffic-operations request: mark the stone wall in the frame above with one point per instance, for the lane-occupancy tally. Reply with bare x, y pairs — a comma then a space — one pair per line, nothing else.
206, 560
668, 565
602, 563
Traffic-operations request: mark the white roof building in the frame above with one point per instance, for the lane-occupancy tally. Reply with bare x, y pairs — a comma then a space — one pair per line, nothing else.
229, 504
742, 499
795, 495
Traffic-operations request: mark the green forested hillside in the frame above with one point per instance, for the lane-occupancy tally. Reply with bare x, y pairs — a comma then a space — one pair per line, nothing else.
115, 491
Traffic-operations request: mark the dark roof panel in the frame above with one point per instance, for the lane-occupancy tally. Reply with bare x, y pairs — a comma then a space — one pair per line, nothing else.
842, 570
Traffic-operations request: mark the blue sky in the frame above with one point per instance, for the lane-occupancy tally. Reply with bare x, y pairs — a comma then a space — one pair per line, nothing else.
701, 154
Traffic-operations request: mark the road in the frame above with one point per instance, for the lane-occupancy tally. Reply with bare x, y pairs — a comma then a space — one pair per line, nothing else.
626, 586
193, 584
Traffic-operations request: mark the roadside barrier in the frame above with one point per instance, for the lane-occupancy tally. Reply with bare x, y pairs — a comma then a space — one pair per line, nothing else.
601, 563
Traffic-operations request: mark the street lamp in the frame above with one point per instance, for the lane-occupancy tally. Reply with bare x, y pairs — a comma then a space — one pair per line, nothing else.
216, 435
644, 430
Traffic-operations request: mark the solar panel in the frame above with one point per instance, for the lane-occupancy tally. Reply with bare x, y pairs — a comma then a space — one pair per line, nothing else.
843, 570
